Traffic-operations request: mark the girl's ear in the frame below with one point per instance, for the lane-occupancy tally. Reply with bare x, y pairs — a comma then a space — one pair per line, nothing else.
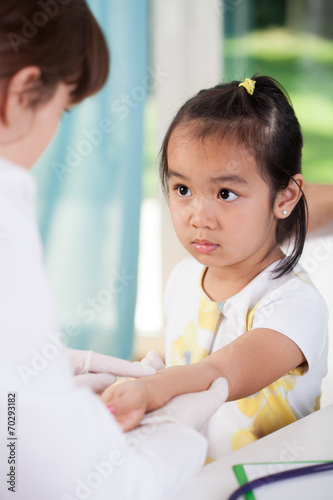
287, 199
17, 98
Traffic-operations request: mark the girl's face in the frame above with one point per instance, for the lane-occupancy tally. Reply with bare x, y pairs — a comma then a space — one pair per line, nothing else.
220, 205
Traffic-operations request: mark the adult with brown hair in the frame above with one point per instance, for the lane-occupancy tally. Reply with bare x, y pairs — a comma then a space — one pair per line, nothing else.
58, 440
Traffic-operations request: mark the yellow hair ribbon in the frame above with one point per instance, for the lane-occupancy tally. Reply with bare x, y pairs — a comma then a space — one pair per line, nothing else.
248, 84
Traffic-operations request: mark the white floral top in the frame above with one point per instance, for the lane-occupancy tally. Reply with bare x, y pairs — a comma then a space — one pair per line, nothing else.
196, 326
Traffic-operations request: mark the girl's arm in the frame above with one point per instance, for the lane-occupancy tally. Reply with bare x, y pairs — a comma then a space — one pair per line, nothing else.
254, 360
249, 363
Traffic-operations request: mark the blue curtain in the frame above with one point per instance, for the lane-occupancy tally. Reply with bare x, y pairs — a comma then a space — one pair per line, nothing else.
89, 199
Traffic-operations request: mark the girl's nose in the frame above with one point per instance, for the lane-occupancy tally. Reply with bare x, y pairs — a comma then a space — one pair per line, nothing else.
203, 215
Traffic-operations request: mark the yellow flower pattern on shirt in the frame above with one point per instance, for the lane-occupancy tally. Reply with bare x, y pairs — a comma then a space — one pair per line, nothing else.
186, 349
208, 313
268, 410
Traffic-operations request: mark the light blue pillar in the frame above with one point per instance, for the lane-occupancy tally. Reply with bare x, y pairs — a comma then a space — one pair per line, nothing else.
90, 192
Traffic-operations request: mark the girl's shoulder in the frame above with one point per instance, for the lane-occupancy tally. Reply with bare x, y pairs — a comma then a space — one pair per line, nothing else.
295, 282
298, 282
293, 295
290, 292
293, 306
185, 279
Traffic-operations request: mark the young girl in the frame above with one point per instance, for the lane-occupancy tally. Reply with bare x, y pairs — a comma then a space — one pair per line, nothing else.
239, 308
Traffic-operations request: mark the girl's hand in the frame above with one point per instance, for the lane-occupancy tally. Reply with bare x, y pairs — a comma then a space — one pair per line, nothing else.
128, 402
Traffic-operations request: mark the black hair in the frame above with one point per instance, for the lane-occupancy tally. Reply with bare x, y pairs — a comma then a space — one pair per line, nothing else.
265, 123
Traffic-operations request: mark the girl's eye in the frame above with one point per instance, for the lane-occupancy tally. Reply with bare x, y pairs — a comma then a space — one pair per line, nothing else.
227, 195
183, 191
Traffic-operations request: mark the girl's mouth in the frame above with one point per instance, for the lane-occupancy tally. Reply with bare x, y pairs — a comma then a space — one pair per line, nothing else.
204, 246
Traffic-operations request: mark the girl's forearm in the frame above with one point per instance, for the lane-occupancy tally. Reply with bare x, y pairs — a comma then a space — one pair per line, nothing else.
249, 363
177, 380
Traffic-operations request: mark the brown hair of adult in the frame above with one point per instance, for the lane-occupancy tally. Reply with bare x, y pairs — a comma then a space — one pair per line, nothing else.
62, 38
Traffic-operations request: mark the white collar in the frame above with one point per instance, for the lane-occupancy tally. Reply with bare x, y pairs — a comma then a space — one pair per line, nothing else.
254, 291
251, 294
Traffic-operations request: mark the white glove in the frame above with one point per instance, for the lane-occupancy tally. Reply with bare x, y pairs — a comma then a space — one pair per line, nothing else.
98, 371
152, 359
193, 409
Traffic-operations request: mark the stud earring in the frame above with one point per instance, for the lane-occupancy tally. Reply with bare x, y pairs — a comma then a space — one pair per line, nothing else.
284, 212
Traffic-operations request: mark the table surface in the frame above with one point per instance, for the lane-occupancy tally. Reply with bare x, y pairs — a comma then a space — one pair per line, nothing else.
310, 438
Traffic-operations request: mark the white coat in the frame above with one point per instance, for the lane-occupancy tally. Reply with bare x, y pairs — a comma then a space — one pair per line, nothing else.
57, 441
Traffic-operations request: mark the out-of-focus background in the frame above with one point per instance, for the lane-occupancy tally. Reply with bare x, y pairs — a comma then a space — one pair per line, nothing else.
108, 238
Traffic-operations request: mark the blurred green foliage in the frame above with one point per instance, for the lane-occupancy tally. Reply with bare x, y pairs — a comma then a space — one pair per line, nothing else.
303, 64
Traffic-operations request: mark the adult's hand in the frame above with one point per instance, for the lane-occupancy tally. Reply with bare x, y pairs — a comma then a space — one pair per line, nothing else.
152, 359
193, 409
98, 371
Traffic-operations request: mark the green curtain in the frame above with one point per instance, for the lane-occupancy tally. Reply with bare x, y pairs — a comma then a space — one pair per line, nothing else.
89, 197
